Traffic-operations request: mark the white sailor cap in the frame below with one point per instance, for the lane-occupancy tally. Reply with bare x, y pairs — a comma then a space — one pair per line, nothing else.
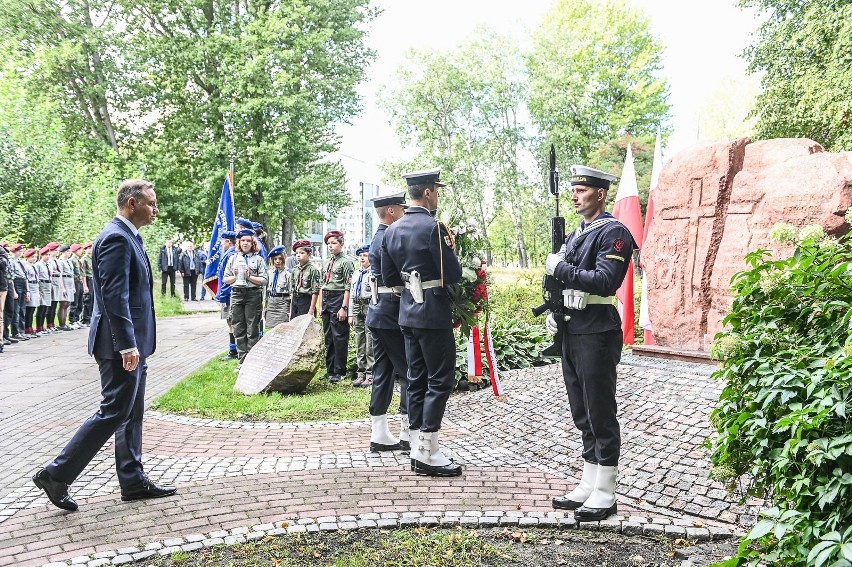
582, 175
425, 177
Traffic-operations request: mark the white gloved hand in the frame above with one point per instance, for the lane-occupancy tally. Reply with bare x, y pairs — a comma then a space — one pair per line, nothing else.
550, 324
550, 264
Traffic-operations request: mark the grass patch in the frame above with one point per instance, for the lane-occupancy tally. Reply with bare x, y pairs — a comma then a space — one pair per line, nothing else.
209, 392
167, 306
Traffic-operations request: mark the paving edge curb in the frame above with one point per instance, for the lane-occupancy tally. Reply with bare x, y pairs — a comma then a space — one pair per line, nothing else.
629, 526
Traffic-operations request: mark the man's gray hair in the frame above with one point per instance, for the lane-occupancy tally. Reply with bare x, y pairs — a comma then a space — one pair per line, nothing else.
131, 188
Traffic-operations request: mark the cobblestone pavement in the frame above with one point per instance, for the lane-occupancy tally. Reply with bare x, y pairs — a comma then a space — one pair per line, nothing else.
240, 480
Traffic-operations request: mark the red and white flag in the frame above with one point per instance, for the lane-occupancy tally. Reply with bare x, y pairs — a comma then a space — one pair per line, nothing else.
644, 314
628, 211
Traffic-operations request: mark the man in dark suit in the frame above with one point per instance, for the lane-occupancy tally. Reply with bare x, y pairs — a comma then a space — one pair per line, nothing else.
190, 266
121, 337
417, 253
167, 263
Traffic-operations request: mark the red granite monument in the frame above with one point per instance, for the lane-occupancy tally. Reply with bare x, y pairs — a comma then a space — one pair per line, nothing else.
717, 201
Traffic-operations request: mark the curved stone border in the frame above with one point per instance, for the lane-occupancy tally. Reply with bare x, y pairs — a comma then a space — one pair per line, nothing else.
225, 424
629, 526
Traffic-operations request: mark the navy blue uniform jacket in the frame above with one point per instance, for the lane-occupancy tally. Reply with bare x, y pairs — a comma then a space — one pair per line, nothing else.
385, 313
599, 267
415, 243
123, 313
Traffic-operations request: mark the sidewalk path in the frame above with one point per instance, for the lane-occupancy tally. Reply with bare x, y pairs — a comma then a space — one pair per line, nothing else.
237, 475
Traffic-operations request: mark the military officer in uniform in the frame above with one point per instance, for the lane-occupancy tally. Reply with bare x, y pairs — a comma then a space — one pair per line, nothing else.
388, 345
337, 274
592, 266
417, 253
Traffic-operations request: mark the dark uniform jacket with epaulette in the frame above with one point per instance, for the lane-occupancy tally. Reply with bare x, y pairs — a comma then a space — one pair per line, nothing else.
385, 313
597, 266
415, 243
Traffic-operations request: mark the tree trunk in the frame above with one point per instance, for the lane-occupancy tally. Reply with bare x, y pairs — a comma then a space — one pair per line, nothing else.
517, 220
287, 234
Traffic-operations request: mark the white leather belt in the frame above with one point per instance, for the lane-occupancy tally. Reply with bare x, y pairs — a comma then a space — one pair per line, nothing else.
395, 289
426, 285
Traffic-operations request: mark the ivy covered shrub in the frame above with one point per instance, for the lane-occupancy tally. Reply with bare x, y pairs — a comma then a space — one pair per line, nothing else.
784, 418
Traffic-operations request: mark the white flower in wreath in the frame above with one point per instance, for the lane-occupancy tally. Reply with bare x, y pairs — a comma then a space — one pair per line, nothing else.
476, 262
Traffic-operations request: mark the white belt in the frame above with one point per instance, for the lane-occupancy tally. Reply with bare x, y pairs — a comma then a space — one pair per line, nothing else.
425, 285
394, 289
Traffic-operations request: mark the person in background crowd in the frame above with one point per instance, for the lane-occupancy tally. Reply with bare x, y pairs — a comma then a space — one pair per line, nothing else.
77, 305
33, 293
203, 254
45, 289
167, 263
19, 278
335, 306
55, 284
4, 292
359, 300
86, 264
290, 263
260, 232
246, 274
67, 286
223, 295
278, 292
306, 281
189, 265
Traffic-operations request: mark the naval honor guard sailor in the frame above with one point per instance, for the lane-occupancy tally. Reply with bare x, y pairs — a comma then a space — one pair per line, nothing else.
417, 253
592, 265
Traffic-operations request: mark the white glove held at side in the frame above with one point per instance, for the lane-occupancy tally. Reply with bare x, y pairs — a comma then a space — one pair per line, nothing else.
550, 324
551, 262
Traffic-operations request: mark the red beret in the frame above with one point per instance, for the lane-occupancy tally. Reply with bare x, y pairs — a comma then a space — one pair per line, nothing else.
52, 246
87, 246
4, 244
29, 252
332, 234
16, 247
75, 247
303, 244
44, 251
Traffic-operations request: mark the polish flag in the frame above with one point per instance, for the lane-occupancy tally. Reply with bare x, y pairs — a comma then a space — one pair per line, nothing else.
644, 315
628, 211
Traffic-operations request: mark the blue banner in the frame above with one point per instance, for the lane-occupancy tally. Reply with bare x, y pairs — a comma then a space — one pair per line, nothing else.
224, 221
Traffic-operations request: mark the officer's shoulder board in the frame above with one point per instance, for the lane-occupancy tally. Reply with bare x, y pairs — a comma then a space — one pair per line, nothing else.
445, 232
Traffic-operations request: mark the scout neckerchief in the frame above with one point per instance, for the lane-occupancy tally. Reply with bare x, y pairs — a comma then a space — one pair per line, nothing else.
301, 275
358, 285
330, 266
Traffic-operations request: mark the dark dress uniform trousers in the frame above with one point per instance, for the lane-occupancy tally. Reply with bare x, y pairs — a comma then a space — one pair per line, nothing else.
431, 356
336, 333
388, 364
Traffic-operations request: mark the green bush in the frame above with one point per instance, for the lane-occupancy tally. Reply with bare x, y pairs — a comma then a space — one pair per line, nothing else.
783, 421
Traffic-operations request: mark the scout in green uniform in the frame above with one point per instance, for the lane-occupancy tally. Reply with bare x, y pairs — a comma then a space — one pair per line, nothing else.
306, 281
337, 274
86, 263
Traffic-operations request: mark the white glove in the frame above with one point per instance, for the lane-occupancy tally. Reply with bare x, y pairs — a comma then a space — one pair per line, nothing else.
550, 324
550, 264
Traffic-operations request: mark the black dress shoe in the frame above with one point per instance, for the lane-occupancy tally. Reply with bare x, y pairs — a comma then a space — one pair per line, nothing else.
564, 503
404, 445
10, 340
334, 379
147, 489
229, 356
21, 337
56, 491
381, 447
423, 469
586, 514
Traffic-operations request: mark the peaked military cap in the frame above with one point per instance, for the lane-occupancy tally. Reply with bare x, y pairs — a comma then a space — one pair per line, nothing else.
228, 234
582, 175
277, 251
245, 232
306, 244
388, 200
425, 177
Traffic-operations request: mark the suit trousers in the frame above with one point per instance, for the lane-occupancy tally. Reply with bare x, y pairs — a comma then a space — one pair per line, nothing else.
389, 364
301, 305
10, 315
246, 310
336, 334
190, 282
77, 305
168, 275
431, 357
120, 414
20, 316
588, 368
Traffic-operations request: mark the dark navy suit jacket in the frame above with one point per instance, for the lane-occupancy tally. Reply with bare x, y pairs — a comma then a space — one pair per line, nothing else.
123, 313
415, 242
385, 313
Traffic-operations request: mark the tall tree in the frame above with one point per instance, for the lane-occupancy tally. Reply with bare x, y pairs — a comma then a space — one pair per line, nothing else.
804, 49
595, 75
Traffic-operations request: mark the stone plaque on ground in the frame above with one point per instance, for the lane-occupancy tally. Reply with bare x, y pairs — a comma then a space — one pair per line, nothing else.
284, 360
717, 201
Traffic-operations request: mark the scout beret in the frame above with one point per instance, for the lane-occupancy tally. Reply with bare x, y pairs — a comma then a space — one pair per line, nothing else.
425, 177
582, 175
4, 244
388, 200
257, 226
16, 247
362, 249
44, 250
332, 234
228, 234
87, 246
52, 246
29, 252
245, 222
64, 248
277, 251
306, 244
75, 247
245, 232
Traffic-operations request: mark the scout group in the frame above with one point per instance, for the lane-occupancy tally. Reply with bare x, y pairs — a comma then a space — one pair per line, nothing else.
397, 300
